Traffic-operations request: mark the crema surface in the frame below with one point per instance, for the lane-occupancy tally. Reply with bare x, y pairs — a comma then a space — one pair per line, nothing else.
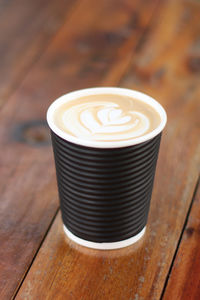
106, 118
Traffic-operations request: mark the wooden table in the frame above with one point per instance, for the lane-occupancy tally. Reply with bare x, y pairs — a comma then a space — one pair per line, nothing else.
48, 48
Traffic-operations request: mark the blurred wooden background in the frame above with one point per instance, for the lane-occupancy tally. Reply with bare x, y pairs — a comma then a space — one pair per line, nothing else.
48, 48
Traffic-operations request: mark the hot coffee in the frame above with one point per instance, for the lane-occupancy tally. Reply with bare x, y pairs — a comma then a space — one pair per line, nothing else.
106, 118
106, 143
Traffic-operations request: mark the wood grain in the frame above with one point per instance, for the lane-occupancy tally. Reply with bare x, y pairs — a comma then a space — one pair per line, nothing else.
80, 55
26, 28
164, 67
184, 281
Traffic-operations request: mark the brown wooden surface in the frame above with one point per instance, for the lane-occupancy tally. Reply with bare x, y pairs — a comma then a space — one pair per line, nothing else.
161, 67
26, 28
84, 49
184, 282
152, 46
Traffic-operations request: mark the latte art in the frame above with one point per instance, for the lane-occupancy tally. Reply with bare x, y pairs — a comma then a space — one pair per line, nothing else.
106, 118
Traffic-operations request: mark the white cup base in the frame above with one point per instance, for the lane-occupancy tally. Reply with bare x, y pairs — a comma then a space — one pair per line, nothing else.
104, 246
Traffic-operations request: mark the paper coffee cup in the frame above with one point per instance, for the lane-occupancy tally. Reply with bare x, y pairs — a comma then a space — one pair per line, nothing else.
105, 188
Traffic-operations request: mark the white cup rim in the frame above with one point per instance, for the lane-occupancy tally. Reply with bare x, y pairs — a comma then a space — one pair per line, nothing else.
106, 90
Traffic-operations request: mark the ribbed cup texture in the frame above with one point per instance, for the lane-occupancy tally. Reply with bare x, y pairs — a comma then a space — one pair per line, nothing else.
105, 193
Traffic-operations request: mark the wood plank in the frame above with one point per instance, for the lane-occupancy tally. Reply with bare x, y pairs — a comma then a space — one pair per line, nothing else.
184, 281
80, 55
26, 27
163, 67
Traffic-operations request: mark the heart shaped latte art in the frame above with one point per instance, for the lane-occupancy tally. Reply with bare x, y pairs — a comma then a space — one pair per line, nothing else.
104, 121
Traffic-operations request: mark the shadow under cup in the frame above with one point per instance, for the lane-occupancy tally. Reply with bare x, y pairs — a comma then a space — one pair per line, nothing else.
105, 192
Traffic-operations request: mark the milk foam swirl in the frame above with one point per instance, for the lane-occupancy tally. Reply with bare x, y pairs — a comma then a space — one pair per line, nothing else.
104, 121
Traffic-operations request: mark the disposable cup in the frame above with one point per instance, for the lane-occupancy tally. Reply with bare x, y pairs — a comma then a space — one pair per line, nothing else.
105, 187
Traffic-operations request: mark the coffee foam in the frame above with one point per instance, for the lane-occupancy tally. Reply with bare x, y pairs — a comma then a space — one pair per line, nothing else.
106, 118
112, 117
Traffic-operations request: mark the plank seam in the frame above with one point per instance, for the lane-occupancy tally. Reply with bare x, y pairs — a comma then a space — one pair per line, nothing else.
180, 238
36, 253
